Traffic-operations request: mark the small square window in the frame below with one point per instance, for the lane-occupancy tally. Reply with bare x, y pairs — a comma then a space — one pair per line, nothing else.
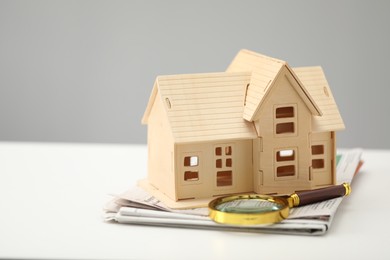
191, 161
224, 178
229, 162
285, 155
218, 163
317, 149
285, 128
318, 163
284, 112
284, 171
191, 176
218, 151
228, 150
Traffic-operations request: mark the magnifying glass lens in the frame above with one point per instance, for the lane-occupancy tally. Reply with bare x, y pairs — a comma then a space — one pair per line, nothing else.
249, 206
250, 209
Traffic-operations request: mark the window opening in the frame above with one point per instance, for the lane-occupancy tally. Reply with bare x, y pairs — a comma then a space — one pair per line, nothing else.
318, 163
228, 162
284, 171
284, 112
285, 119
286, 162
218, 163
223, 165
285, 128
191, 176
285, 155
191, 168
317, 149
318, 156
190, 161
228, 150
224, 178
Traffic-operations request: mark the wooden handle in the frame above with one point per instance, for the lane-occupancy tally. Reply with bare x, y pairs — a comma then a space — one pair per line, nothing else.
308, 197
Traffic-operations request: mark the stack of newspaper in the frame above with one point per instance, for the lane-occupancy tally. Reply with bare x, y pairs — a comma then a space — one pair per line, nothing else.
136, 206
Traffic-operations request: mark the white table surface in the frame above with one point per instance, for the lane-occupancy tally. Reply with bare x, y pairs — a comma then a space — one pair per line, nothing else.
51, 199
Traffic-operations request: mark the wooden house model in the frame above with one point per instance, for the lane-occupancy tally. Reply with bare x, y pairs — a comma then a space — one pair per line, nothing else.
260, 127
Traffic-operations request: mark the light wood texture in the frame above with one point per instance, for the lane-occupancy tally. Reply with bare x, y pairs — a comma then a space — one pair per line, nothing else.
204, 107
265, 71
259, 127
315, 82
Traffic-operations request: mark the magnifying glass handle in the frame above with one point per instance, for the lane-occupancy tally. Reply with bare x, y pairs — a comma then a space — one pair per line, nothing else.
312, 196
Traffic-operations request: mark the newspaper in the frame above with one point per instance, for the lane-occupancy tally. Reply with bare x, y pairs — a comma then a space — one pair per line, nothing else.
136, 206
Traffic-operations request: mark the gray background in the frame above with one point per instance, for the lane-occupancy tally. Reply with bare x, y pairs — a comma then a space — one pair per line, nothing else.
82, 71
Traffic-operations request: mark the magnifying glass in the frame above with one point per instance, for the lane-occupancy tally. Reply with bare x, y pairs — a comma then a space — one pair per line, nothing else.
255, 209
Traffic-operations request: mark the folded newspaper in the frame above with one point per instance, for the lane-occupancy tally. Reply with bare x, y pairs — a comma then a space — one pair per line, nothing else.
136, 206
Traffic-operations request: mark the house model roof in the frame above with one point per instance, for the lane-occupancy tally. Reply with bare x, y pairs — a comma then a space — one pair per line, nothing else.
202, 107
313, 78
216, 106
264, 73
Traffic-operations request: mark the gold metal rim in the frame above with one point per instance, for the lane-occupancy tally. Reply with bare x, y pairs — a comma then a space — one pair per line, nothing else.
295, 200
248, 218
348, 188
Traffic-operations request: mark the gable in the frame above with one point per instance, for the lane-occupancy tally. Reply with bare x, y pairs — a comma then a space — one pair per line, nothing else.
265, 71
315, 82
204, 107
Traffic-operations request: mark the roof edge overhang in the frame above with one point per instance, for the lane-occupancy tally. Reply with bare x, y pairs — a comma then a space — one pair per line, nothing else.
260, 104
249, 52
152, 97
